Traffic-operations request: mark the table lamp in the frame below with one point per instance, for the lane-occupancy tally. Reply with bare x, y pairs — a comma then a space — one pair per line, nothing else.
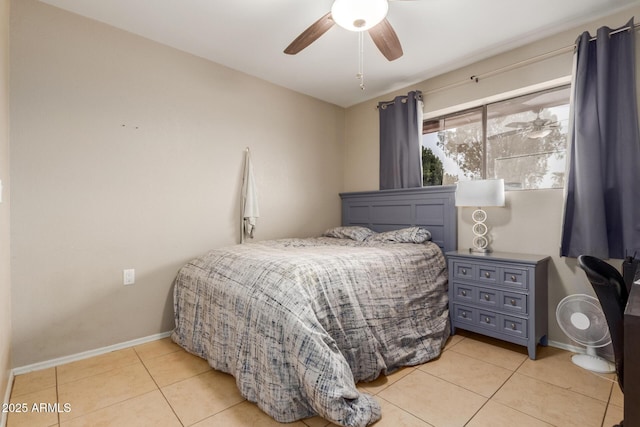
480, 193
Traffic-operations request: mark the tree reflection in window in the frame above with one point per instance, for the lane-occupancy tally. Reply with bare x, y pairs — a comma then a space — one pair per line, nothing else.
525, 141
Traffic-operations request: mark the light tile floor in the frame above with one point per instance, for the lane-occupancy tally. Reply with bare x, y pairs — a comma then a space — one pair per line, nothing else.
476, 382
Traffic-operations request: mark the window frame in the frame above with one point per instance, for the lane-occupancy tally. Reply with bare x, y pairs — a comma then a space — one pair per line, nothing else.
482, 105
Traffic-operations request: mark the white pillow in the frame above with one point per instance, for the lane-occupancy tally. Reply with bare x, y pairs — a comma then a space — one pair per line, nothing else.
353, 232
403, 235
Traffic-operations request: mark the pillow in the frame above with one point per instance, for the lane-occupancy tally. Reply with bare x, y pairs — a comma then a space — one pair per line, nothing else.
404, 235
357, 233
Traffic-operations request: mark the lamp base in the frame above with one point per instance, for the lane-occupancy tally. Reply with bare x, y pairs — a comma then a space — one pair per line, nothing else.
480, 239
480, 250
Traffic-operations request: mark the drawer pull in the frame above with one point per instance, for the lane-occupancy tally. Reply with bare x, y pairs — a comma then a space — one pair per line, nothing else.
513, 326
486, 319
513, 278
486, 297
513, 302
464, 271
464, 314
487, 275
464, 293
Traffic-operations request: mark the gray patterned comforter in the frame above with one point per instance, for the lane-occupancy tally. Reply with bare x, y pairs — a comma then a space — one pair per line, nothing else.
298, 322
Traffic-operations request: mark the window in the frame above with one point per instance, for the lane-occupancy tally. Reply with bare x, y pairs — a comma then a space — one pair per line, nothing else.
522, 140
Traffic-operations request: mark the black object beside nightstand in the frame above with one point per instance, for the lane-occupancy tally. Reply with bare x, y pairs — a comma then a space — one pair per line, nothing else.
632, 354
501, 295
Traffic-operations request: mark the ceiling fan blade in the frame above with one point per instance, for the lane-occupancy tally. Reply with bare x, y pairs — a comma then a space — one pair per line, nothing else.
386, 39
519, 125
537, 134
310, 35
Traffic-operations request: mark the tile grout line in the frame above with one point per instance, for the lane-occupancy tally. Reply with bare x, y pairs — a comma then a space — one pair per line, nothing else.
386, 386
518, 409
489, 362
551, 384
186, 379
57, 393
542, 378
463, 387
405, 410
99, 373
456, 385
415, 369
606, 409
490, 399
115, 403
226, 409
606, 402
159, 388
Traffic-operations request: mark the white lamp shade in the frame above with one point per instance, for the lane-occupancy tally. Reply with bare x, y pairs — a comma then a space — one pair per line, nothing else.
484, 192
359, 15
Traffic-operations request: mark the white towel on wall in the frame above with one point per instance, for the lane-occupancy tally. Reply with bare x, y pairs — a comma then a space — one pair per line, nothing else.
250, 211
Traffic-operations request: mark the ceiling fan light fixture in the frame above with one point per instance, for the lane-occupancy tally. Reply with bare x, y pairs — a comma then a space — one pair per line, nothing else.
359, 15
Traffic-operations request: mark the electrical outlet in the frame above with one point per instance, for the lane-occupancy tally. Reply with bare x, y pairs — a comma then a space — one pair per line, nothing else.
129, 276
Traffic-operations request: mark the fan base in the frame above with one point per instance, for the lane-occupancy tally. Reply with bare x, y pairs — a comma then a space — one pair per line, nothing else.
593, 363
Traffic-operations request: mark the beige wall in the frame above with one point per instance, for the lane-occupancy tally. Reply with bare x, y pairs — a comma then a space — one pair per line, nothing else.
5, 277
531, 221
128, 154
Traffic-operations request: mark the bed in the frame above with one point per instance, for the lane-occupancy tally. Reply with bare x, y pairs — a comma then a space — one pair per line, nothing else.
298, 322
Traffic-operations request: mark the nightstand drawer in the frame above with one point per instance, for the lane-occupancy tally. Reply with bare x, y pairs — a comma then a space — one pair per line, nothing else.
464, 293
488, 319
464, 270
463, 314
516, 303
488, 297
514, 326
514, 277
487, 274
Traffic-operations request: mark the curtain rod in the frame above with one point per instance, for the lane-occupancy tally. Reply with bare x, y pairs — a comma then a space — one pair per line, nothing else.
537, 58
403, 99
619, 30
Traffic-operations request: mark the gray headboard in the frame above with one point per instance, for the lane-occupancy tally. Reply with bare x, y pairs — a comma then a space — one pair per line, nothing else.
430, 207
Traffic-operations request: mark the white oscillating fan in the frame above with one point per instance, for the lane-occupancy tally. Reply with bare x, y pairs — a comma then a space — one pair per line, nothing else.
581, 318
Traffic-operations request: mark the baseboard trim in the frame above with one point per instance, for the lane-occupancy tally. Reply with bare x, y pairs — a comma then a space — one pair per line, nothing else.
568, 347
86, 354
7, 397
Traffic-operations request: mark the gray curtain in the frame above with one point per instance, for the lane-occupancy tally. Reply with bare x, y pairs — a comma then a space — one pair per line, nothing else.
602, 202
400, 142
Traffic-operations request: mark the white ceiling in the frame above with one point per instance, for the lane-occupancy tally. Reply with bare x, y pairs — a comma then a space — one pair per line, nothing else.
436, 36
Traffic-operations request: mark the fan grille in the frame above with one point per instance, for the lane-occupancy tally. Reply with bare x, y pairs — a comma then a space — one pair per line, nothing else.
581, 318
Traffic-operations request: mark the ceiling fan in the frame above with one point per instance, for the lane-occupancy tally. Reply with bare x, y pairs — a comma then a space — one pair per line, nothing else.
536, 128
354, 15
